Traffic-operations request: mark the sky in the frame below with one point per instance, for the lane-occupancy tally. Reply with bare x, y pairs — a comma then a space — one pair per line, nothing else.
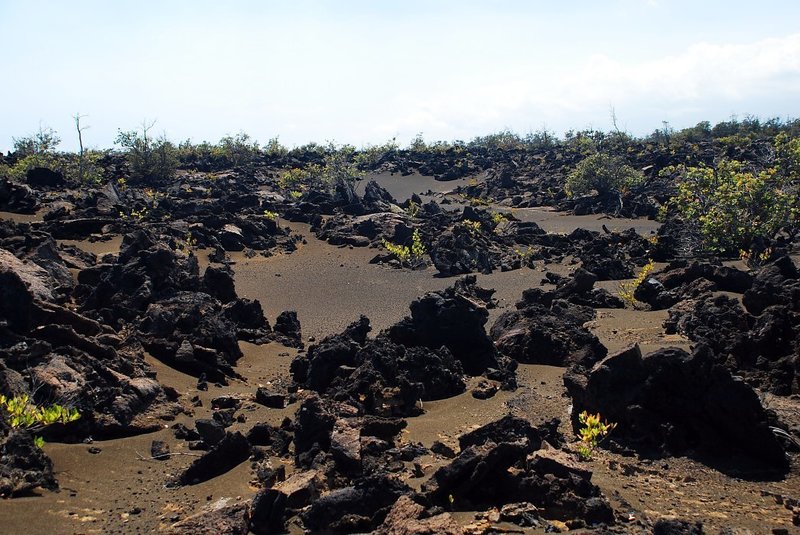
363, 72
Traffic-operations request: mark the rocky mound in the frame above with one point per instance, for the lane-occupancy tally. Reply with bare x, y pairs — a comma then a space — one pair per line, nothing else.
54, 353
679, 403
759, 338
547, 327
423, 357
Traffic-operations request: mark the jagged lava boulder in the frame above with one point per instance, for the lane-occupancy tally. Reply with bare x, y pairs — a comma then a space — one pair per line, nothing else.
453, 319
677, 402
548, 329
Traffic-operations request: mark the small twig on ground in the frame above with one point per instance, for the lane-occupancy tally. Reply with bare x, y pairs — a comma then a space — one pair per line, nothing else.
165, 455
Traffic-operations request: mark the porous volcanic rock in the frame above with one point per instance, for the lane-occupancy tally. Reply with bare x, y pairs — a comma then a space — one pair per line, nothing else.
549, 330
677, 402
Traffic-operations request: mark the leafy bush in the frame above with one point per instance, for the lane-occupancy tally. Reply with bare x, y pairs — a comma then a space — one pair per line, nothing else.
70, 165
474, 227
337, 165
370, 156
275, 149
503, 140
149, 159
21, 413
238, 149
42, 142
734, 206
603, 174
404, 253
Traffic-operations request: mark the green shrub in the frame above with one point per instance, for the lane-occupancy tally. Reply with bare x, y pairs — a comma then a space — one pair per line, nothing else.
21, 413
603, 174
44, 141
238, 149
149, 159
474, 227
67, 164
406, 254
734, 206
275, 149
337, 165
371, 155
627, 289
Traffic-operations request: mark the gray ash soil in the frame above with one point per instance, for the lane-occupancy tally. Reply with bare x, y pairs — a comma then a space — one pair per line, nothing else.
120, 490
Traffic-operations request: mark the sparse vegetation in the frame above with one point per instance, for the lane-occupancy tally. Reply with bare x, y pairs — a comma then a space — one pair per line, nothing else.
149, 159
274, 148
593, 431
186, 245
21, 413
526, 255
39, 150
44, 141
412, 210
474, 227
238, 150
498, 218
370, 156
407, 254
628, 288
338, 165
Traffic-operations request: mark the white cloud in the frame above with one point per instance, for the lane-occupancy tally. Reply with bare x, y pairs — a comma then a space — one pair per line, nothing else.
729, 76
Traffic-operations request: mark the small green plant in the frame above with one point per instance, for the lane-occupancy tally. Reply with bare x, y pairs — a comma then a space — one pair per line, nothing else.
474, 227
498, 218
525, 256
152, 197
754, 258
476, 201
295, 194
269, 214
188, 242
22, 413
401, 252
593, 432
628, 288
139, 214
417, 247
412, 210
404, 253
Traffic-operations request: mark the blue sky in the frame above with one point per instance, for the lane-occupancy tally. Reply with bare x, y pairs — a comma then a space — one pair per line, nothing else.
362, 72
